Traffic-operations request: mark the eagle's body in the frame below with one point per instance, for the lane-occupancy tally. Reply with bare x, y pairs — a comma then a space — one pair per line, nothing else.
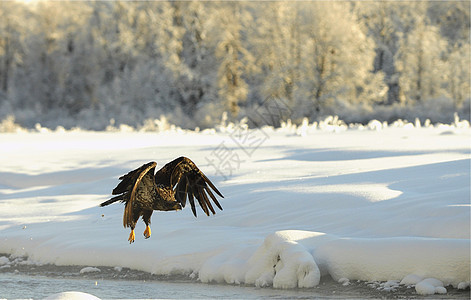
143, 192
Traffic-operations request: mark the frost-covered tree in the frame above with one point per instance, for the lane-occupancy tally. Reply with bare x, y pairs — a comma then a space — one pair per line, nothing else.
385, 24
453, 19
138, 56
83, 63
458, 75
50, 78
276, 45
11, 28
232, 88
421, 60
337, 62
39, 76
197, 80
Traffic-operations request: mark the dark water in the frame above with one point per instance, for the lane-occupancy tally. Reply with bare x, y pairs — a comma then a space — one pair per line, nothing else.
14, 286
25, 281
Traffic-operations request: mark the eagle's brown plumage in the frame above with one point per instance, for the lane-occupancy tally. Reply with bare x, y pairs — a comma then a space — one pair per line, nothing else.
143, 192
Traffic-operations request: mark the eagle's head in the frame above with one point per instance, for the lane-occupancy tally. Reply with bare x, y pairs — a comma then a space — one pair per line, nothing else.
165, 200
176, 206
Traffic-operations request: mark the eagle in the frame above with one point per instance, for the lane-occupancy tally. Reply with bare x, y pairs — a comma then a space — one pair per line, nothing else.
142, 191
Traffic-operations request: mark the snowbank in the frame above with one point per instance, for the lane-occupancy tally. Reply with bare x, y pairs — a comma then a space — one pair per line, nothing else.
290, 259
387, 204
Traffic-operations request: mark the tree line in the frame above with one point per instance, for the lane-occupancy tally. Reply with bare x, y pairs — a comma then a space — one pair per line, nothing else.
83, 63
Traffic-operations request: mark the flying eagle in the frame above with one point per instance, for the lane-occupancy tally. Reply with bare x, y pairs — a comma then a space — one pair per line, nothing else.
143, 192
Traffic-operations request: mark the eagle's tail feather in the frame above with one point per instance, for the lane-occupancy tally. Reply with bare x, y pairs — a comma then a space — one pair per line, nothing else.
112, 200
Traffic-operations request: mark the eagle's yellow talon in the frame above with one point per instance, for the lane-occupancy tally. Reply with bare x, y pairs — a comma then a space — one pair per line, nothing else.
132, 237
147, 232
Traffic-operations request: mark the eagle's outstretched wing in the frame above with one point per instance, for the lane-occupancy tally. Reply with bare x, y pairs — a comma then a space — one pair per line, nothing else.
130, 183
188, 181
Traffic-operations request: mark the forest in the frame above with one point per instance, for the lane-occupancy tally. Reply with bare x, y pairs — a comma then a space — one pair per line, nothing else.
89, 63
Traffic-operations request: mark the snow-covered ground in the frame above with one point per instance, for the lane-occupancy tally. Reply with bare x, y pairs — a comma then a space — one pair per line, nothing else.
374, 203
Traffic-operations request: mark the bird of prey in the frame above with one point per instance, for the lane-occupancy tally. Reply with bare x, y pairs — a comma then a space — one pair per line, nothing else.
143, 192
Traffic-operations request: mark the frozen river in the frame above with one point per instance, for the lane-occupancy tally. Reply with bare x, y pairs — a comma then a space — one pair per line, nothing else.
14, 286
38, 282
30, 281
39, 287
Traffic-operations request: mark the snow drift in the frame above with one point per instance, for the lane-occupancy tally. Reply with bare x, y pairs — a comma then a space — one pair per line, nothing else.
374, 203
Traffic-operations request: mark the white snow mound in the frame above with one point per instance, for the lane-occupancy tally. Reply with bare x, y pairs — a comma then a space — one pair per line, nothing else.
72, 296
283, 263
430, 286
411, 280
89, 270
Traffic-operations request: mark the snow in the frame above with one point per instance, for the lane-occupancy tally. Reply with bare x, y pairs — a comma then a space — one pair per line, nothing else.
388, 204
89, 270
411, 279
4, 260
72, 296
394, 258
430, 286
